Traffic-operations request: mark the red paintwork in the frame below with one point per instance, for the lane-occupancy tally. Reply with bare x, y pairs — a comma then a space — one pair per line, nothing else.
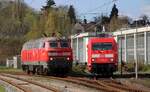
36, 55
102, 59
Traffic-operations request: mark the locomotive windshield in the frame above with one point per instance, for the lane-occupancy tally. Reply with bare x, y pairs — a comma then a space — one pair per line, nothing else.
64, 44
53, 44
102, 46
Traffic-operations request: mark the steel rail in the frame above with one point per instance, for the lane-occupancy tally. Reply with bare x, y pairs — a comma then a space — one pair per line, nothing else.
32, 82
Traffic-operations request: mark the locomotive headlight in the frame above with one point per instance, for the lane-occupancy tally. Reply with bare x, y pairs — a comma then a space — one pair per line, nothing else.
111, 59
51, 59
108, 55
95, 55
68, 58
93, 60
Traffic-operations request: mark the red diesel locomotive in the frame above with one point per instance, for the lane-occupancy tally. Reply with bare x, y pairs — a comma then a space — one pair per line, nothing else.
102, 55
47, 55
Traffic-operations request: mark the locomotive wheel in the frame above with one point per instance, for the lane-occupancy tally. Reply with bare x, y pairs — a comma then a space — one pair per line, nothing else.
39, 70
33, 72
45, 72
28, 71
36, 71
24, 68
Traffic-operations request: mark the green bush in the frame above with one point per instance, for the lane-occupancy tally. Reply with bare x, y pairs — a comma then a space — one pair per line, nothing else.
78, 69
130, 67
146, 68
2, 89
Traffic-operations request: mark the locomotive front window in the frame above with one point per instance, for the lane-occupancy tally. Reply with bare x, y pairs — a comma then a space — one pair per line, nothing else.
53, 44
64, 44
102, 46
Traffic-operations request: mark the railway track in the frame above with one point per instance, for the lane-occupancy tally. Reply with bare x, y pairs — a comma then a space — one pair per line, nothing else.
114, 85
15, 85
118, 85
26, 85
106, 85
109, 86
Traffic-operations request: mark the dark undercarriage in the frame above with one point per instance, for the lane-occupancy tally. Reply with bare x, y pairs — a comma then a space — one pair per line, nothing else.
60, 66
104, 69
55, 67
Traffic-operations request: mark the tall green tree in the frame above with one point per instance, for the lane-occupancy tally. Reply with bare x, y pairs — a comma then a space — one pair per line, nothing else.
113, 19
114, 12
12, 19
58, 22
72, 14
16, 20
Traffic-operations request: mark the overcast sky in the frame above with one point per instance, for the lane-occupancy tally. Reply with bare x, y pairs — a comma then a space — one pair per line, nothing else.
92, 8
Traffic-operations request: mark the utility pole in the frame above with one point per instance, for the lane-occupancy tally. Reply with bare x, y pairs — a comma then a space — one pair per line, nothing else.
121, 38
136, 60
121, 52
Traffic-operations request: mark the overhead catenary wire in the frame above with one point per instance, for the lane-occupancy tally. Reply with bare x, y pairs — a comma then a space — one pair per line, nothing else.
99, 7
113, 1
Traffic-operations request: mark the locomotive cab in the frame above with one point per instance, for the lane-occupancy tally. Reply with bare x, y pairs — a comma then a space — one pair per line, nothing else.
60, 55
102, 55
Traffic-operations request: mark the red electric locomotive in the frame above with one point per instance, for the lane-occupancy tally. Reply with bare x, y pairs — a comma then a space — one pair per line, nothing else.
102, 55
47, 55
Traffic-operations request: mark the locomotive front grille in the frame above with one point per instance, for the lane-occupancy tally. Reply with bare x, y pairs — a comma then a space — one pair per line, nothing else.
99, 68
60, 62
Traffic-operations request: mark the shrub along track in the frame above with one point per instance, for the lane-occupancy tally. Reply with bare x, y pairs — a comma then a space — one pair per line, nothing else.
24, 89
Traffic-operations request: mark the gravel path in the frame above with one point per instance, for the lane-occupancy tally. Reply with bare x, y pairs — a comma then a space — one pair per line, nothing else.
31, 87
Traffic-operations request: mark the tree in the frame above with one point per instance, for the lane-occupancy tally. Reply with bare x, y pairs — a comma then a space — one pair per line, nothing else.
118, 23
145, 18
102, 20
49, 4
114, 12
57, 22
85, 21
114, 24
12, 19
15, 23
71, 14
